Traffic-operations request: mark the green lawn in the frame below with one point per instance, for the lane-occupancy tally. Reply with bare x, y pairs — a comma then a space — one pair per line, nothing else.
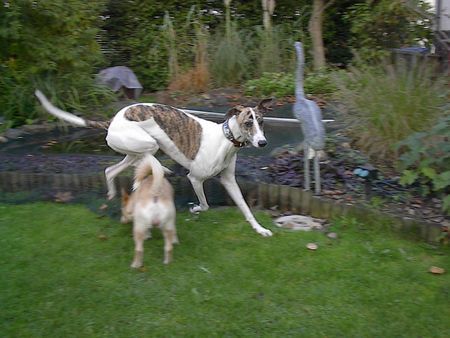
64, 272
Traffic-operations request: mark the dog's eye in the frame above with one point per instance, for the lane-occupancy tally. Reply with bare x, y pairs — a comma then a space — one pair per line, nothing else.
248, 124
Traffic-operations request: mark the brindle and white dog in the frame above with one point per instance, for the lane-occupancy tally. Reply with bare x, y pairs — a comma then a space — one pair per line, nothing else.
203, 147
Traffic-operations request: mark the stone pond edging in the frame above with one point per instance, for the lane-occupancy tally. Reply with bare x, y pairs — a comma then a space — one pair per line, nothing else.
263, 195
297, 200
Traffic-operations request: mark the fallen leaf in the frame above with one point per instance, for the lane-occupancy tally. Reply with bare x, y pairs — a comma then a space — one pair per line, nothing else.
332, 235
436, 270
204, 269
312, 246
102, 237
63, 197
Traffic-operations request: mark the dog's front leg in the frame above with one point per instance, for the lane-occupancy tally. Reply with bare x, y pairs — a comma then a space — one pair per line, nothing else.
228, 180
198, 188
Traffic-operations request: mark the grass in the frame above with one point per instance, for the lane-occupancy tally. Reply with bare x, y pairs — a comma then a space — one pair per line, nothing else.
64, 272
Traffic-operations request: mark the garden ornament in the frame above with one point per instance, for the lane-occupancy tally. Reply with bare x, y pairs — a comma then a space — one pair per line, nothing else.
310, 116
121, 77
368, 173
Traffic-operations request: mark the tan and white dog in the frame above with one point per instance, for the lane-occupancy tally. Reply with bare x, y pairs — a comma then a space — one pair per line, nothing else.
150, 205
203, 147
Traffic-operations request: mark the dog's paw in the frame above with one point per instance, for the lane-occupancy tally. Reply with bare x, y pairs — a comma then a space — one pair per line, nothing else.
195, 209
136, 265
111, 195
264, 232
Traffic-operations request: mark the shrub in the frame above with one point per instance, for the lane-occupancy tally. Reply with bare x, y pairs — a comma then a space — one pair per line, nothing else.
48, 44
426, 160
385, 104
230, 61
377, 26
271, 84
319, 82
196, 78
282, 84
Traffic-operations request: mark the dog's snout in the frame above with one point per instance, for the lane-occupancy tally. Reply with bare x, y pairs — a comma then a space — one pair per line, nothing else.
262, 143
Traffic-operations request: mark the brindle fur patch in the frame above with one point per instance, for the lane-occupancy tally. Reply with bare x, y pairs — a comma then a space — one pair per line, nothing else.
184, 131
98, 124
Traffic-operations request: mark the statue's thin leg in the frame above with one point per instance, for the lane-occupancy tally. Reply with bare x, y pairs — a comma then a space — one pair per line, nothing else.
317, 173
307, 183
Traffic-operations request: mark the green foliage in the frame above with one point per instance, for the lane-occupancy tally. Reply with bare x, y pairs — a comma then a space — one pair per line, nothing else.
62, 43
239, 48
384, 104
51, 43
147, 36
282, 84
269, 51
230, 58
147, 56
271, 84
378, 26
337, 33
190, 41
319, 82
273, 51
426, 160
172, 47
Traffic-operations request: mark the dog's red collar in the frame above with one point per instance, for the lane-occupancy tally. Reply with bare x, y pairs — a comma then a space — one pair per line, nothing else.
229, 135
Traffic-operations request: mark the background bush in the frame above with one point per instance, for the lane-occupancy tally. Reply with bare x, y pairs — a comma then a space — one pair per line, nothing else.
385, 104
283, 84
378, 26
425, 160
60, 45
49, 45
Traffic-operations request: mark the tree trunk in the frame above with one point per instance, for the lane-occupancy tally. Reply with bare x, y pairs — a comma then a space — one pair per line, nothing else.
268, 7
315, 29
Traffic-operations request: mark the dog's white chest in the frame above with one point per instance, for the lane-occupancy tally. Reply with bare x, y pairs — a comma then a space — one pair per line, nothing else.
214, 155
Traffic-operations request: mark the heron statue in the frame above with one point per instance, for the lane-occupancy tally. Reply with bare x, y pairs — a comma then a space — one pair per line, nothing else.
310, 117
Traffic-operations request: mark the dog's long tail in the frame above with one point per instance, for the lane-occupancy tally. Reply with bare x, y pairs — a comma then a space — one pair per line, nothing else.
68, 117
149, 165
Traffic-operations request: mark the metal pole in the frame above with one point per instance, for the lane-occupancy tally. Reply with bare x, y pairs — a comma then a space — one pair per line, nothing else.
317, 173
307, 183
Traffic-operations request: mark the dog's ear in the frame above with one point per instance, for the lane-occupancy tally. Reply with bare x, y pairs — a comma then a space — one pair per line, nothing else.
233, 111
265, 105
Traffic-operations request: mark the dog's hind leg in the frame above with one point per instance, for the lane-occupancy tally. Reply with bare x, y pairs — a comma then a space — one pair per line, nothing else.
198, 188
114, 170
169, 238
175, 238
139, 234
